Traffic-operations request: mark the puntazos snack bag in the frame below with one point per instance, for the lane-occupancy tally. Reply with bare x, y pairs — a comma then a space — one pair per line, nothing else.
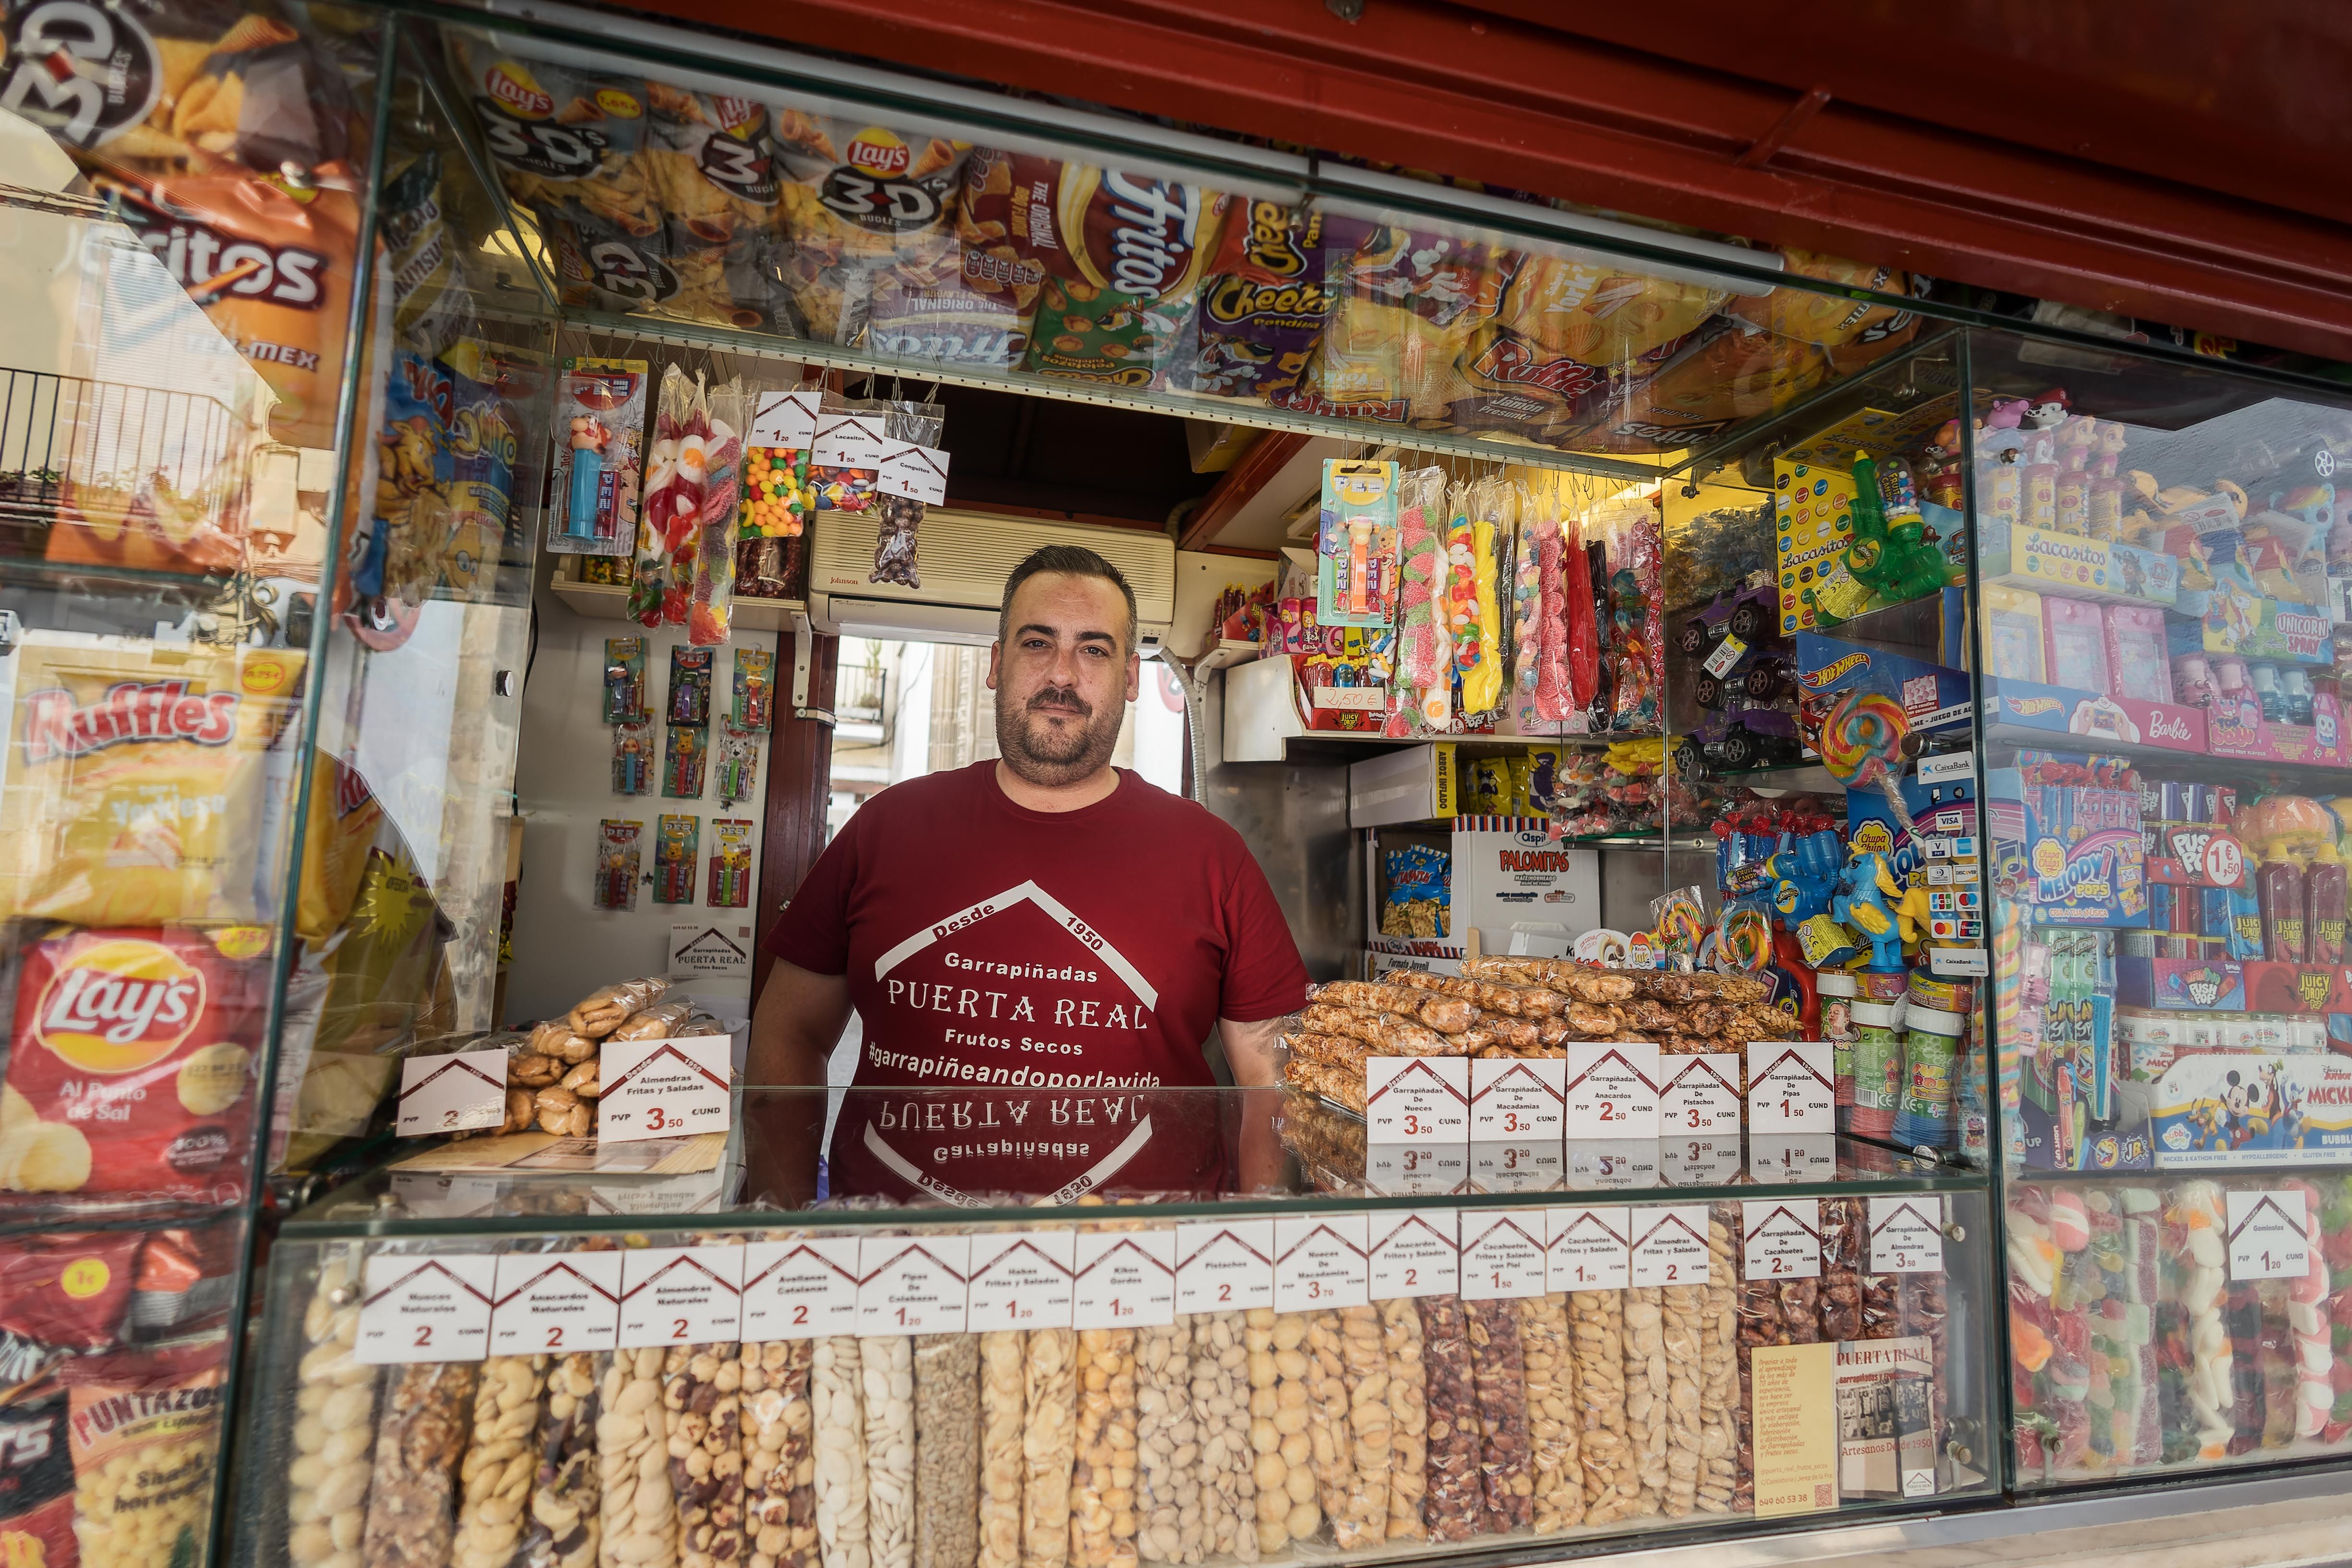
141, 1042
145, 1423
134, 789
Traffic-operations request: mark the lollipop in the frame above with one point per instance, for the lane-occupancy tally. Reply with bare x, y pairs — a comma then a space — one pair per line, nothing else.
1742, 944
1860, 737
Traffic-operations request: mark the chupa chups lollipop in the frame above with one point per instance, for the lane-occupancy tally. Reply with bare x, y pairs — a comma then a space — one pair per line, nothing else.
1860, 737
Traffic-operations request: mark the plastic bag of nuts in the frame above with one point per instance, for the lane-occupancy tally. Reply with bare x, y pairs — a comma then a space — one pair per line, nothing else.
834, 1407
565, 1522
1102, 1490
1002, 1386
1170, 1525
1370, 1426
1221, 1414
1682, 1306
1553, 1419
1049, 1437
639, 1519
334, 1425
1333, 1454
412, 1503
1453, 1504
1718, 1374
1283, 1473
702, 1406
501, 1460
1612, 1483
1408, 1418
887, 1367
947, 1450
1646, 1395
779, 1458
1499, 1367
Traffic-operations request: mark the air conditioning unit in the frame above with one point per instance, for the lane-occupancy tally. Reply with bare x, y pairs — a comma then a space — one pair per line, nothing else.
963, 559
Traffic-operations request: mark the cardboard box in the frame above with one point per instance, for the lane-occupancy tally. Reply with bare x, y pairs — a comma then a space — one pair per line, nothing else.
1811, 528
2237, 728
2199, 985
1519, 876
1414, 784
2093, 721
2075, 565
2240, 1110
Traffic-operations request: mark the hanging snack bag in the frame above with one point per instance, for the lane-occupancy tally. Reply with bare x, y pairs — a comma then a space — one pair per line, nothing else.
1827, 318
1599, 312
482, 449
1123, 257
1403, 304
145, 1422
1356, 544
1423, 689
344, 815
624, 680
412, 520
714, 169
689, 686
617, 863
1526, 608
600, 414
777, 496
1000, 205
730, 864
846, 455
1639, 661
686, 763
709, 615
755, 688
677, 463
1502, 382
139, 1042
894, 542
856, 198
677, 850
739, 764
770, 568
633, 759
431, 295
1263, 306
134, 792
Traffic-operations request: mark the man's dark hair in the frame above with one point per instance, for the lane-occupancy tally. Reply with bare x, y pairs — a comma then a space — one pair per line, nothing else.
1070, 561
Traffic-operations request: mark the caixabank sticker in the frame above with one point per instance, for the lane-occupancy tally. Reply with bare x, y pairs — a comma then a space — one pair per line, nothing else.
2250, 1110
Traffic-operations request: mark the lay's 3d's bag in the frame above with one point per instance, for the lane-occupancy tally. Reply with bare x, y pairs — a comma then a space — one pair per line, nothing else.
855, 200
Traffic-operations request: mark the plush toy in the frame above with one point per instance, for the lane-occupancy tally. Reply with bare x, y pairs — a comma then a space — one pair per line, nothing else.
1865, 904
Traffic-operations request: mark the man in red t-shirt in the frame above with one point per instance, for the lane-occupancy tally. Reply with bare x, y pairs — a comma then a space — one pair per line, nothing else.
1042, 922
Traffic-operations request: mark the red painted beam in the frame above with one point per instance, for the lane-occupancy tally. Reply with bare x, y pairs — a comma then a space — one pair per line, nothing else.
1519, 106
1252, 472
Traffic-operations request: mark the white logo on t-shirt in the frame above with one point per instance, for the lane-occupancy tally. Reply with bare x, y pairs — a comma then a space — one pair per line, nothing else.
1029, 893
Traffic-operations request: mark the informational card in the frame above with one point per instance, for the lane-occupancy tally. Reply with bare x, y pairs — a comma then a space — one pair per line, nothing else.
804, 1289
1415, 1252
1416, 1099
1780, 1239
1224, 1265
1669, 1245
1512, 1098
1612, 1090
1700, 1095
848, 441
1791, 1087
455, 1093
551, 1303
919, 473
1125, 1279
786, 418
1792, 1396
425, 1307
1906, 1234
2269, 1235
681, 1295
1416, 1170
1502, 1254
1022, 1280
912, 1284
663, 1088
1517, 1167
1588, 1249
1319, 1262
1782, 1159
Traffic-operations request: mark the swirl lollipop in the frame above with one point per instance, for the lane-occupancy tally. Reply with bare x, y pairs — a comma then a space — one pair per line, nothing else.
1860, 737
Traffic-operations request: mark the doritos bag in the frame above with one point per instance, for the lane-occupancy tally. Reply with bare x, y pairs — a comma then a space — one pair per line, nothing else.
856, 197
1123, 257
37, 1477
134, 787
142, 1041
1262, 308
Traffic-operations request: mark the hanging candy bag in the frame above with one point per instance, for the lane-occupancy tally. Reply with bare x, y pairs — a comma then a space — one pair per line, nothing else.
710, 618
671, 512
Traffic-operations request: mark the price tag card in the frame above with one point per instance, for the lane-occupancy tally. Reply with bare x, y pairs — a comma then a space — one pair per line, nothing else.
2270, 1235
1502, 1254
551, 1302
1515, 1099
805, 1289
1778, 1159
1588, 1249
912, 1284
1416, 1099
1319, 1262
681, 1295
452, 1093
1608, 1164
1907, 1235
1126, 1280
1021, 1279
423, 1308
1669, 1245
848, 441
786, 418
1699, 1162
1416, 1170
1612, 1090
1700, 1094
1416, 1252
663, 1088
1517, 1167
1224, 1265
1780, 1239
1791, 1087
920, 472
1727, 653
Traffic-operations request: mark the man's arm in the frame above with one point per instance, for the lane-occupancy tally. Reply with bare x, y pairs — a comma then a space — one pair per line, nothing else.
795, 1028
1249, 1050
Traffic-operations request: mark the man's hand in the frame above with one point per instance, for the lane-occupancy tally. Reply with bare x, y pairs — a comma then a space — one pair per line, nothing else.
1249, 1051
793, 1030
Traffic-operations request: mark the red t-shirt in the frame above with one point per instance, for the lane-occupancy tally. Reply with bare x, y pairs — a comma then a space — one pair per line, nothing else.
988, 946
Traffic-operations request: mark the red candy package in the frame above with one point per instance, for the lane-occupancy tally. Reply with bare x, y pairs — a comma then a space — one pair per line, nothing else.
36, 1479
141, 1042
69, 1291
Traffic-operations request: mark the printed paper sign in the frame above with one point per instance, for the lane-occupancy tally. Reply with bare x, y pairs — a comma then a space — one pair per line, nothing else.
1669, 1245
1791, 1087
919, 473
551, 1303
1224, 1265
1416, 1099
452, 1093
1415, 1252
2269, 1235
1588, 1249
1780, 1239
1612, 1090
804, 1289
912, 1284
681, 1295
1319, 1262
1021, 1279
1793, 1392
786, 418
1907, 1235
1502, 1254
1727, 653
848, 441
663, 1088
1416, 1170
1700, 1094
1515, 1099
709, 952
1608, 1164
1699, 1162
1124, 1279
417, 1308
1780, 1159
1517, 1167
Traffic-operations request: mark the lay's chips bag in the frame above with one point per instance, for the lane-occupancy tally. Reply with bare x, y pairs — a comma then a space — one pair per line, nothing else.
855, 198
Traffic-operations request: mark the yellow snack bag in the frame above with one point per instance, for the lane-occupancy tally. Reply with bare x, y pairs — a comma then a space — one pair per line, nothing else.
134, 786
344, 817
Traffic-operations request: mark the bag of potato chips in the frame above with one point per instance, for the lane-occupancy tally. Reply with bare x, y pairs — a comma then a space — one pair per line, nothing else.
855, 199
1403, 305
1599, 312
1262, 308
134, 789
714, 169
146, 1422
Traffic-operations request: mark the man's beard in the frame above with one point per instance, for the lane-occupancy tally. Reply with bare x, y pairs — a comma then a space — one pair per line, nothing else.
1047, 759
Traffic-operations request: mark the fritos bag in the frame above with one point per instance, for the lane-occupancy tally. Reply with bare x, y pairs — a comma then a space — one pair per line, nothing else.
134, 789
1123, 257
856, 197
146, 1448
139, 1042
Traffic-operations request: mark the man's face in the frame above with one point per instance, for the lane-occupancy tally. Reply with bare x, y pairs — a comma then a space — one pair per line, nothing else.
1063, 678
